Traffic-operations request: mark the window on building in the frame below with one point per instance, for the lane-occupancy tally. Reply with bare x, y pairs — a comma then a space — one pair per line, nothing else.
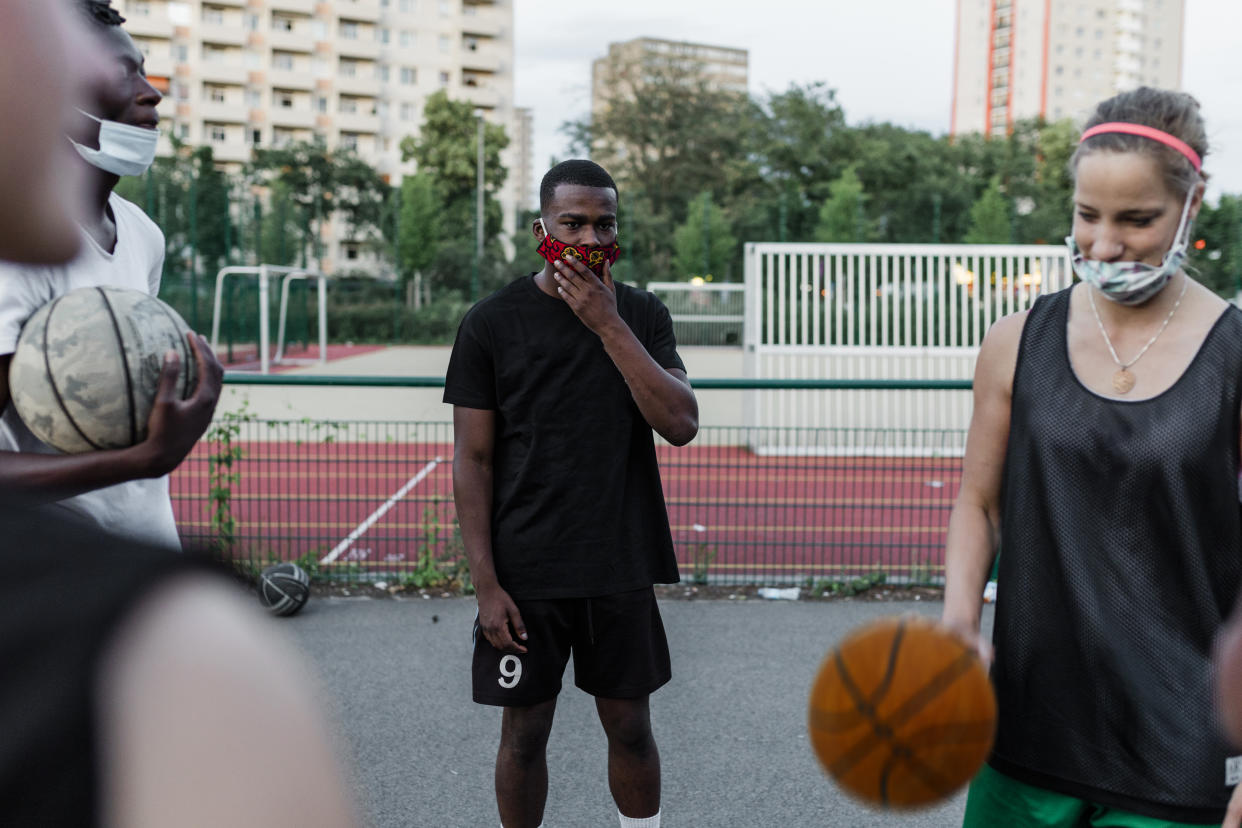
321, 104
284, 100
406, 5
444, 78
281, 23
446, 8
282, 60
215, 94
253, 98
407, 39
139, 8
382, 71
348, 105
213, 14
252, 22
350, 250
444, 43
256, 136
407, 111
382, 34
181, 53
349, 140
408, 76
349, 30
217, 134
349, 68
282, 137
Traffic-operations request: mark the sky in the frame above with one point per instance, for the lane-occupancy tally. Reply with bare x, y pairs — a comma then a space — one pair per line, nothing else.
889, 60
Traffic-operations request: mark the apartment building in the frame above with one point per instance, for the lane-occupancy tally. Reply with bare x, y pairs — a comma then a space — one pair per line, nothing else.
241, 74
724, 67
523, 173
1018, 59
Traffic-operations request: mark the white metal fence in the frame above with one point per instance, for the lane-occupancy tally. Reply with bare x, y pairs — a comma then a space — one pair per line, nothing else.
865, 311
706, 313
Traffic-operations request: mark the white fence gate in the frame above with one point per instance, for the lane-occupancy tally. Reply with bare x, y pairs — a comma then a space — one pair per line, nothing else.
870, 311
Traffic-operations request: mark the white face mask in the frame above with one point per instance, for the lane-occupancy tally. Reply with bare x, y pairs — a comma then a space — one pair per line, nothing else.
123, 149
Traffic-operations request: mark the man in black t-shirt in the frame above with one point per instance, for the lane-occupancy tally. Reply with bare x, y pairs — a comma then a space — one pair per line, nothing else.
556, 382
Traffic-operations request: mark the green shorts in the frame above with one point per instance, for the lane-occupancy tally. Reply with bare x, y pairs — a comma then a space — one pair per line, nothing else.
996, 799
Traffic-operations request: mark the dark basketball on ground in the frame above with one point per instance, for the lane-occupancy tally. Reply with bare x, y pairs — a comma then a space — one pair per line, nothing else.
284, 588
902, 713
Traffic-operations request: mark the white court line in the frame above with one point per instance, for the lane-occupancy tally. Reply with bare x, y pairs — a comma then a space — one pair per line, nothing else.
380, 512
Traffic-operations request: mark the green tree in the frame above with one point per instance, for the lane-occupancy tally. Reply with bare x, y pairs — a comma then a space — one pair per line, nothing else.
446, 150
842, 217
989, 217
704, 244
1052, 187
1219, 259
800, 144
280, 233
214, 233
418, 226
326, 183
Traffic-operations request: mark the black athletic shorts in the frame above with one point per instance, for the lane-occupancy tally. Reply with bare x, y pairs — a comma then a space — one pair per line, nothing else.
618, 644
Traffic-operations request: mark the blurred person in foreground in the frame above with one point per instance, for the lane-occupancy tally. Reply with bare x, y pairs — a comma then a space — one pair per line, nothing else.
556, 383
138, 689
112, 132
1103, 459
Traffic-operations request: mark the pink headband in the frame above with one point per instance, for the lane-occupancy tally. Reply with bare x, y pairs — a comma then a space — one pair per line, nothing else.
1147, 132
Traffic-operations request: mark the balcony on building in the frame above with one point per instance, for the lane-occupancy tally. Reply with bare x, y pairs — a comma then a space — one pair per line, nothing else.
358, 114
306, 7
153, 21
359, 78
291, 33
480, 54
300, 118
223, 65
357, 39
359, 9
476, 89
218, 24
482, 19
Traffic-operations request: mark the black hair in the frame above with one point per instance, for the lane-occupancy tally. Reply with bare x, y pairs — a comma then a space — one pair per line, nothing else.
575, 171
100, 12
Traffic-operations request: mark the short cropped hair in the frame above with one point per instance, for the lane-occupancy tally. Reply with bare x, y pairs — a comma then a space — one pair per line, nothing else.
100, 12
575, 171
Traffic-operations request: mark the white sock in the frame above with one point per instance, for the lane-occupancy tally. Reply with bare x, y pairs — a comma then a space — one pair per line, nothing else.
639, 822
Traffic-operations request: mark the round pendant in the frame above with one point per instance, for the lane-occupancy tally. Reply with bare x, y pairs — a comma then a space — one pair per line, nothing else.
1123, 381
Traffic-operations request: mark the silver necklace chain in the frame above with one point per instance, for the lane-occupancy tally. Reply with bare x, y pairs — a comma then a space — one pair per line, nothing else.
1150, 342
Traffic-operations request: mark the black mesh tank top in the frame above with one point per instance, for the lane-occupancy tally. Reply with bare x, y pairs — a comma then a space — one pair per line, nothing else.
1121, 555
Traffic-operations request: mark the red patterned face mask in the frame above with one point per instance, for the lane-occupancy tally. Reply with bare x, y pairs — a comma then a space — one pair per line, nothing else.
593, 257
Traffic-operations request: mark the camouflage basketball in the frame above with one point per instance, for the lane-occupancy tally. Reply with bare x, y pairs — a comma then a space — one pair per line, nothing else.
87, 366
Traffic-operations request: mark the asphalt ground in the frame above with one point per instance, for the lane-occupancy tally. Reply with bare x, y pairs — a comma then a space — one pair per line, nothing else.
731, 726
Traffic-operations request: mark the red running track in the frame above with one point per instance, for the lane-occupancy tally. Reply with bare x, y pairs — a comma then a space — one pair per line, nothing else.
733, 513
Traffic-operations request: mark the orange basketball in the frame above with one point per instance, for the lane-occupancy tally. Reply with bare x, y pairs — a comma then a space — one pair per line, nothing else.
902, 713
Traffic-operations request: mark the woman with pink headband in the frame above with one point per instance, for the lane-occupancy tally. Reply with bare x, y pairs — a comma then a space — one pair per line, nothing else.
1103, 458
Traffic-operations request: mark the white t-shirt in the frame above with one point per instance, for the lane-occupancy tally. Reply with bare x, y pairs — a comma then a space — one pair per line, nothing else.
138, 508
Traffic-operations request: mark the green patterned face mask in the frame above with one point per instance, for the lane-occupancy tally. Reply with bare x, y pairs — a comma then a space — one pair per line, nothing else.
1133, 283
